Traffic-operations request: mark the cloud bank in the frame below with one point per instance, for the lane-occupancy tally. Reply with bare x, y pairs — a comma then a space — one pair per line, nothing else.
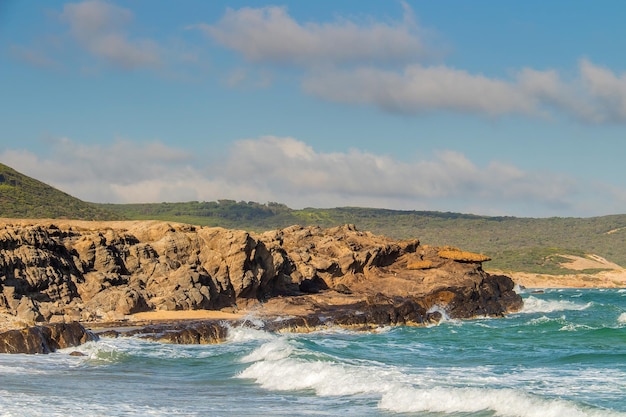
598, 95
288, 170
383, 64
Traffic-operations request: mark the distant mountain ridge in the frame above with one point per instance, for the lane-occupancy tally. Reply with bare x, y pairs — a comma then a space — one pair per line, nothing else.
515, 244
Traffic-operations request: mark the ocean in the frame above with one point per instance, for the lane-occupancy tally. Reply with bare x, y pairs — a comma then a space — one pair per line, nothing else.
563, 355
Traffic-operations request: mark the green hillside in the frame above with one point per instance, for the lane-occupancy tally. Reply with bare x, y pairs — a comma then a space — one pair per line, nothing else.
515, 244
25, 197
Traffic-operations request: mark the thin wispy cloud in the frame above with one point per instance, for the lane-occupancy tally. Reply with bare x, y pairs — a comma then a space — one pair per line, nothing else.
35, 57
101, 28
95, 36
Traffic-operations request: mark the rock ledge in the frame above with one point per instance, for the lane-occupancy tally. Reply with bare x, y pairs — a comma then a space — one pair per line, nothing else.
61, 271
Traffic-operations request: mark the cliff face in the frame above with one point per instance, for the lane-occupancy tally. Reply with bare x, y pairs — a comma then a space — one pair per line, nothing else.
55, 271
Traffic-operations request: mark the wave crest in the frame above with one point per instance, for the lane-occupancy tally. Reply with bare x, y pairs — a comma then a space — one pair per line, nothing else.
279, 366
537, 305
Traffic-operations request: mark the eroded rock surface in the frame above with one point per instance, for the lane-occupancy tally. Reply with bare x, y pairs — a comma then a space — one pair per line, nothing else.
60, 271
44, 339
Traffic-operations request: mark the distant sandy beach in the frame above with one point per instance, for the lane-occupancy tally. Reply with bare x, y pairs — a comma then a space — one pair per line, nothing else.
606, 279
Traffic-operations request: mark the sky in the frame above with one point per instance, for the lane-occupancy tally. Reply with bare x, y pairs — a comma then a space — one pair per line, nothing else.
484, 107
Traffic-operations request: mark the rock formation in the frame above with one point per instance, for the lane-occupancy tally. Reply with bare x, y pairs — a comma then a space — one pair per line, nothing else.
44, 339
60, 271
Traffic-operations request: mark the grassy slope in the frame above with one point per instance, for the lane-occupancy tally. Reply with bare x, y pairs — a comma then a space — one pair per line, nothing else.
518, 244
25, 197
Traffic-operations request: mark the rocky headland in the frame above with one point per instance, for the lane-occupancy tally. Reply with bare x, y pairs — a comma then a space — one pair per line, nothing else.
138, 275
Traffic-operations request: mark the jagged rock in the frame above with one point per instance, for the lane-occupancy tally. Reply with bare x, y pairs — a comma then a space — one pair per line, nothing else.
28, 311
188, 333
342, 289
68, 270
122, 301
44, 339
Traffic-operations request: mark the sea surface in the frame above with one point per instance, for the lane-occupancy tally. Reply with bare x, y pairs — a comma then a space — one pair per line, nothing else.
564, 355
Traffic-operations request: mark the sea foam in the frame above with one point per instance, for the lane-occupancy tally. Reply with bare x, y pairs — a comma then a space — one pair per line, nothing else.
503, 402
278, 366
537, 305
20, 404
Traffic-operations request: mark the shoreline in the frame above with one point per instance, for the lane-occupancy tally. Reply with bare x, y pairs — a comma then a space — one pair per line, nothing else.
278, 309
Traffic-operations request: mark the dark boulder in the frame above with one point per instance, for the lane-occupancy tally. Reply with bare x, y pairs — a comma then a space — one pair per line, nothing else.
44, 339
182, 333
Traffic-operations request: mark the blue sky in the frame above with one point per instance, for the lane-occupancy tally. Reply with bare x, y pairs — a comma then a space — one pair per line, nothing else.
498, 108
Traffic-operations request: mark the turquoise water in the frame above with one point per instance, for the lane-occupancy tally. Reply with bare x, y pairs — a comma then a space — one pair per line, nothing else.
564, 355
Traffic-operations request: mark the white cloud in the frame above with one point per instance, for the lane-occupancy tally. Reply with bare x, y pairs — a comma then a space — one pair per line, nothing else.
605, 90
270, 35
382, 64
100, 28
288, 167
98, 173
598, 95
418, 89
290, 171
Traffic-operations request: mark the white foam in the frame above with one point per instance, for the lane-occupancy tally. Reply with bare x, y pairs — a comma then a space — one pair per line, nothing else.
572, 327
279, 366
246, 334
546, 319
109, 350
20, 370
622, 318
324, 377
537, 305
14, 404
438, 309
272, 351
503, 402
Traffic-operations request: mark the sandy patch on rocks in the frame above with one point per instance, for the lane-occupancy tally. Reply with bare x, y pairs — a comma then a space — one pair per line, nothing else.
185, 315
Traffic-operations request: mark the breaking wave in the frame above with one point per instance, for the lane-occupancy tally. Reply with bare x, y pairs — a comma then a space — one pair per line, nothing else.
280, 365
537, 305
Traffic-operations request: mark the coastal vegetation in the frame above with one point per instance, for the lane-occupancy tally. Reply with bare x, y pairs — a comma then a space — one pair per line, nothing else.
514, 244
535, 245
25, 197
